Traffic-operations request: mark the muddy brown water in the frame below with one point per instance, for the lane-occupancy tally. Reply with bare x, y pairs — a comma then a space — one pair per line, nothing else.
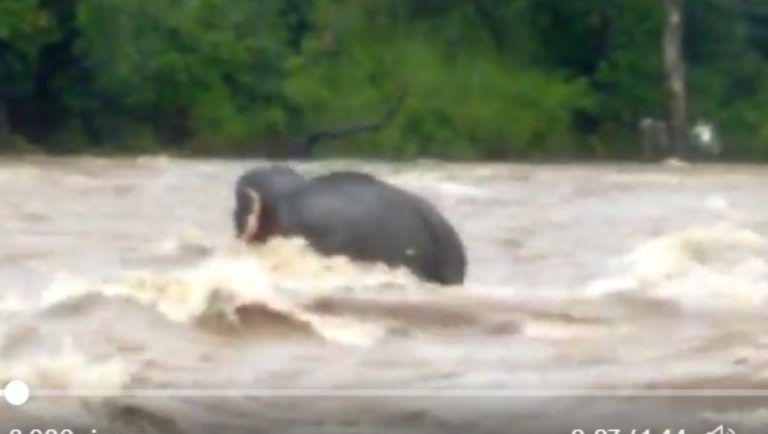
598, 296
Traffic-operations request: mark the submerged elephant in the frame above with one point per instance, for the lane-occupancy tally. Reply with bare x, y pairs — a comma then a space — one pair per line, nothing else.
351, 214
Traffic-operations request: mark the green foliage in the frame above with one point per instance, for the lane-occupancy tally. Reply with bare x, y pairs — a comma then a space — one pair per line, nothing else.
728, 75
201, 67
483, 78
465, 99
24, 29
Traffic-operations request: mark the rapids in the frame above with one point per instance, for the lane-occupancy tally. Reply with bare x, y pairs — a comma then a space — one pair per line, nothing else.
598, 296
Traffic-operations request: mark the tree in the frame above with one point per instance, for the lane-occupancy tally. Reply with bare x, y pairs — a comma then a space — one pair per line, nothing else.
675, 75
24, 28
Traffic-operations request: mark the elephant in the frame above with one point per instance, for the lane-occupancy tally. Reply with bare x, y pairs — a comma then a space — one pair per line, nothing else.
352, 214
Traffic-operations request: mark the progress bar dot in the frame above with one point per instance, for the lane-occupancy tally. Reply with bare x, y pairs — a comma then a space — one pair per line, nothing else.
16, 392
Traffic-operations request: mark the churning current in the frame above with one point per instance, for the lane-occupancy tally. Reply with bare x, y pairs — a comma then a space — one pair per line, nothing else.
597, 295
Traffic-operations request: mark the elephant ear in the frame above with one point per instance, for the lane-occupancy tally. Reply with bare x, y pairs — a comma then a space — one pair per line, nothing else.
252, 225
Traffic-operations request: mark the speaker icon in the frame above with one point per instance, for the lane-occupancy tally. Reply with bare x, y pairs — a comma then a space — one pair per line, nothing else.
722, 430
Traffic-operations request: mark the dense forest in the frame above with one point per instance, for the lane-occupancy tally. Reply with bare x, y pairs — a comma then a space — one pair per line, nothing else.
475, 79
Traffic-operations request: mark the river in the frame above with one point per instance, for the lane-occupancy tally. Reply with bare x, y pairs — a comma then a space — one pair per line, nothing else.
598, 296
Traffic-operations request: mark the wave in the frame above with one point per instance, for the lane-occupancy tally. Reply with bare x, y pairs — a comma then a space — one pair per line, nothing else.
717, 267
283, 289
284, 285
283, 281
203, 325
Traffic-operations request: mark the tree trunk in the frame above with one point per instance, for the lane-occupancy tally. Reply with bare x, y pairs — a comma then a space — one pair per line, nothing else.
674, 66
5, 125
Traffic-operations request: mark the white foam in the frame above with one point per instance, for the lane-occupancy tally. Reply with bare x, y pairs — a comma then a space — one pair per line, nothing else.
282, 276
718, 266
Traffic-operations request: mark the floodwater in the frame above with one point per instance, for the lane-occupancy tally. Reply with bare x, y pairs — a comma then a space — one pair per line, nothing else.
598, 296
